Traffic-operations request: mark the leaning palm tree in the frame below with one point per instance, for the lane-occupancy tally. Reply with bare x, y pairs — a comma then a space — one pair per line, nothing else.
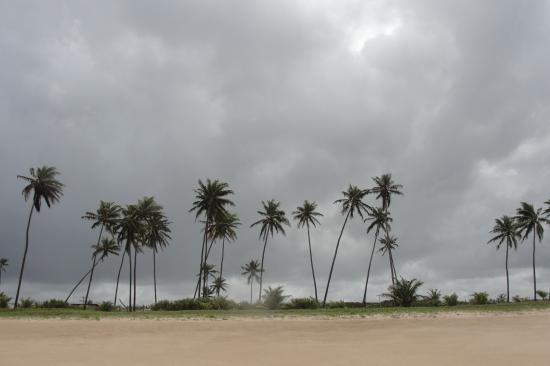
530, 220
105, 217
3, 265
219, 284
506, 230
306, 215
352, 204
224, 228
42, 185
387, 244
380, 219
251, 270
107, 247
272, 222
210, 201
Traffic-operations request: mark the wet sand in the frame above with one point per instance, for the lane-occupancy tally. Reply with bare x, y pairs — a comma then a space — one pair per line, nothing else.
462, 340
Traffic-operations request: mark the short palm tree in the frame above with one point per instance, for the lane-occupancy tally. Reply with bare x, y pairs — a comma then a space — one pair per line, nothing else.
42, 185
224, 228
272, 221
404, 292
306, 215
219, 284
106, 247
251, 270
352, 204
211, 200
387, 244
379, 219
3, 265
506, 230
529, 221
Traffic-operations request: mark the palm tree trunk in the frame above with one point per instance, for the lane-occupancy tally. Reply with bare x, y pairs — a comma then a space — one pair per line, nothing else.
221, 263
334, 258
135, 278
534, 274
90, 281
392, 268
130, 274
368, 270
205, 275
118, 276
155, 273
262, 269
24, 258
78, 284
507, 277
251, 283
311, 261
203, 247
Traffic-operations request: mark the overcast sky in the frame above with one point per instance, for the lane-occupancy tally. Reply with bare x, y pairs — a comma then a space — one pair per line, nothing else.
289, 100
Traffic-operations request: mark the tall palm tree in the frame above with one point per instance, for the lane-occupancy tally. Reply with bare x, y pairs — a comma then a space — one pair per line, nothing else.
506, 230
224, 228
42, 185
387, 244
306, 215
211, 200
251, 270
105, 217
3, 265
384, 188
219, 284
128, 231
530, 220
379, 219
352, 204
272, 221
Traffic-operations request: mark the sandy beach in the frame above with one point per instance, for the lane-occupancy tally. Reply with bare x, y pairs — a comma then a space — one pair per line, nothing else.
454, 340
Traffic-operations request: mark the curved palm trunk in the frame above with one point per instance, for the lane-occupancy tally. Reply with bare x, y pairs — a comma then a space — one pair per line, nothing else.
155, 273
205, 274
534, 274
78, 284
394, 271
221, 263
130, 275
24, 258
507, 277
334, 258
368, 270
90, 281
311, 261
118, 275
262, 269
135, 278
203, 252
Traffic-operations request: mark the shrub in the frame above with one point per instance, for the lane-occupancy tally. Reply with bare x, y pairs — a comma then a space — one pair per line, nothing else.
479, 298
4, 300
53, 304
501, 298
433, 298
214, 303
273, 297
451, 300
106, 306
518, 298
403, 292
336, 304
542, 294
27, 303
303, 303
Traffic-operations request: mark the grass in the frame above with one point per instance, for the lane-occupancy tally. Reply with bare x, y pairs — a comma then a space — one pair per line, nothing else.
225, 314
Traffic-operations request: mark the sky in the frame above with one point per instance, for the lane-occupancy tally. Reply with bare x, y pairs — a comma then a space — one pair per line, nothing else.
286, 100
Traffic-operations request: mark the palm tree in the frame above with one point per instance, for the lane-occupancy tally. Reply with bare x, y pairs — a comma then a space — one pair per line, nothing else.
219, 284
272, 222
384, 188
210, 201
224, 228
128, 231
104, 249
389, 243
209, 271
251, 270
306, 215
105, 217
352, 204
380, 219
42, 185
3, 265
506, 230
530, 221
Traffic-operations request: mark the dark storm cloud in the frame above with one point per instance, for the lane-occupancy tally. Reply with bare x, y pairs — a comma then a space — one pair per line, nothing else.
286, 100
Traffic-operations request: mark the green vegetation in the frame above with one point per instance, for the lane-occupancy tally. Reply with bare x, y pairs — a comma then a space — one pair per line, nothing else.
4, 300
274, 298
404, 292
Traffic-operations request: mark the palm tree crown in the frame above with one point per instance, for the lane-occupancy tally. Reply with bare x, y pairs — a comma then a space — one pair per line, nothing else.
505, 230
252, 271
384, 188
3, 264
106, 215
273, 219
380, 219
224, 226
106, 247
352, 203
42, 185
211, 199
306, 214
530, 220
387, 244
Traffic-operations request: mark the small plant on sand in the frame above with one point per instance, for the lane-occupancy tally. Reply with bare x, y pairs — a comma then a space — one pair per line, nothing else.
433, 298
4, 300
501, 299
543, 294
303, 303
479, 298
27, 303
106, 306
451, 300
403, 292
273, 297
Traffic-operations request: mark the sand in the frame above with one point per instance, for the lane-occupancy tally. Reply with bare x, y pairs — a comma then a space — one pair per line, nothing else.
459, 340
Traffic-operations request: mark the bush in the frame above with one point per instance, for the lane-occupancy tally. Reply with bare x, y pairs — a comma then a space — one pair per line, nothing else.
106, 306
215, 303
433, 298
303, 303
542, 294
4, 300
27, 303
518, 298
501, 298
273, 297
336, 304
451, 300
479, 298
403, 292
53, 304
